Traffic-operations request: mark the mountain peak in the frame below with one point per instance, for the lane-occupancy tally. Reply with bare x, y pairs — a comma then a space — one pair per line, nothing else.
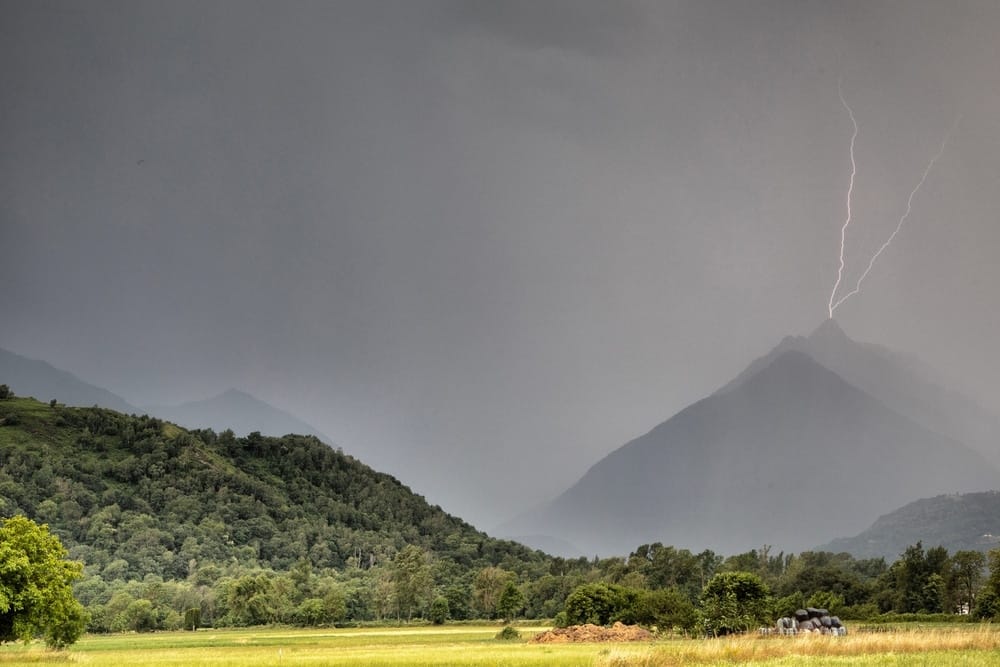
828, 330
234, 393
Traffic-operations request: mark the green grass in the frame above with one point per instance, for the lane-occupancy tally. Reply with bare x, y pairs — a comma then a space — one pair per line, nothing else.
419, 647
475, 646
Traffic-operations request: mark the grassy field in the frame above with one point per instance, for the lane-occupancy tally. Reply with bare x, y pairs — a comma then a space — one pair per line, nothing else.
475, 646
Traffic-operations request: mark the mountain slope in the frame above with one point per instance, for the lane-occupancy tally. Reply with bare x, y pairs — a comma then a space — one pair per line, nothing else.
30, 377
133, 496
902, 384
238, 411
969, 521
789, 455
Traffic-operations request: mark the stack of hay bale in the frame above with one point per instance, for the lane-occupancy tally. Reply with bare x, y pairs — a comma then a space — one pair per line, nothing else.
811, 620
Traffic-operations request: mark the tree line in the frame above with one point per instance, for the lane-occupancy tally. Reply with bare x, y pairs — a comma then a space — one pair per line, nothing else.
178, 528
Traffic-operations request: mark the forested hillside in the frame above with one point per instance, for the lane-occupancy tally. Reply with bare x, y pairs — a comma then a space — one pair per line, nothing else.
142, 496
962, 521
136, 497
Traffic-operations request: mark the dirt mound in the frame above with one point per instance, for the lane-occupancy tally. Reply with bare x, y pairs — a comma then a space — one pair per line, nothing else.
619, 632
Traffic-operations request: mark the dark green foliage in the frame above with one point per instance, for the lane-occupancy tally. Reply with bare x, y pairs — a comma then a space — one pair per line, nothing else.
217, 520
965, 572
987, 606
5, 392
665, 609
459, 597
439, 610
988, 602
192, 618
916, 582
603, 604
667, 567
734, 602
508, 633
150, 498
511, 602
598, 603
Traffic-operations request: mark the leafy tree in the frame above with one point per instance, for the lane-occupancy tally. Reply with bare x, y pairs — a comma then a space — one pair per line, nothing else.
668, 567
734, 602
917, 579
439, 610
192, 618
138, 616
511, 602
5, 392
965, 575
411, 577
487, 588
601, 604
36, 596
249, 600
988, 602
666, 608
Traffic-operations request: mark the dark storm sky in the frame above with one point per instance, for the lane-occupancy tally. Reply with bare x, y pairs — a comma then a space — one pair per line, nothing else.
482, 244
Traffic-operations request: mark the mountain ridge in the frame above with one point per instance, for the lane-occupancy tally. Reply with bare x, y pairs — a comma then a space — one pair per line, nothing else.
965, 521
787, 432
233, 409
238, 411
34, 377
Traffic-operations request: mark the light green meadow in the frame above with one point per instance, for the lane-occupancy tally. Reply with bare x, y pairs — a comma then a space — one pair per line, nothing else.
475, 646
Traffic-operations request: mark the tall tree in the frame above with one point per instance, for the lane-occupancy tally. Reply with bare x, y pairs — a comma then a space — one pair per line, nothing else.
487, 587
511, 602
36, 595
412, 579
966, 573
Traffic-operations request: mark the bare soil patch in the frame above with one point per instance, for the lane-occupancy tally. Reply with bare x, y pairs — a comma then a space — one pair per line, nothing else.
619, 632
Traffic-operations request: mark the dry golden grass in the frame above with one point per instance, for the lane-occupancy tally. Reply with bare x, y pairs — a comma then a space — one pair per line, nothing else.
761, 649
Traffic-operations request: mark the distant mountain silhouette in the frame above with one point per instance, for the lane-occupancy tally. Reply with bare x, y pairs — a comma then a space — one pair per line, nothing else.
232, 409
788, 454
969, 521
41, 380
904, 385
239, 411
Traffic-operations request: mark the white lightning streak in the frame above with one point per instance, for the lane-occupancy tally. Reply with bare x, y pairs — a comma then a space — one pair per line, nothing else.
899, 225
850, 189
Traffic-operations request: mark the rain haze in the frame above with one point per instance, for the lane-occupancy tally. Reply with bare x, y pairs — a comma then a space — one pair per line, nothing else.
483, 244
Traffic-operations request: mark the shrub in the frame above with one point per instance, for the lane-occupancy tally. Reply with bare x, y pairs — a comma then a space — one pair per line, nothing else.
734, 602
601, 604
665, 608
508, 633
439, 610
192, 618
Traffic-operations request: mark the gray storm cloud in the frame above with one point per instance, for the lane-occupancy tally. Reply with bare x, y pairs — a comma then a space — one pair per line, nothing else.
483, 244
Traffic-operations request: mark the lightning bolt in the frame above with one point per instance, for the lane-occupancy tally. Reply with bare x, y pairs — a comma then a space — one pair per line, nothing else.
850, 190
899, 225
